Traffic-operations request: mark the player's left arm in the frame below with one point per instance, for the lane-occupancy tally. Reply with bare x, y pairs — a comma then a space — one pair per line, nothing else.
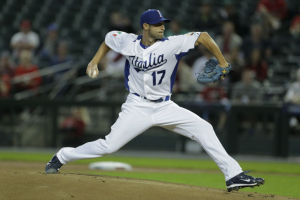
211, 45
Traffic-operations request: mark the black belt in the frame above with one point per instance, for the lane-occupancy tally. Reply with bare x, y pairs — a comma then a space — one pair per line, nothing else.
166, 98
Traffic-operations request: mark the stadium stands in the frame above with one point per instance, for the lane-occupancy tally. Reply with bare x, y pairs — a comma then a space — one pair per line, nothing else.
84, 23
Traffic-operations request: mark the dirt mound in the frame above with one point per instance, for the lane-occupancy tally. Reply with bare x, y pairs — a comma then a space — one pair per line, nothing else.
27, 181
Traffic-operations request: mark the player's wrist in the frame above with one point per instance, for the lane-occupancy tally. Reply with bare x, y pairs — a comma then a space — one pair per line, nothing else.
92, 63
224, 64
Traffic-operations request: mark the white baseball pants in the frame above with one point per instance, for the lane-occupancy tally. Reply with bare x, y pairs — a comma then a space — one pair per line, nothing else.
137, 115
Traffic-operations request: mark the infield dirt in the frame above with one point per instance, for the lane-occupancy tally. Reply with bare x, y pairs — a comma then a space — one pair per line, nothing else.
27, 181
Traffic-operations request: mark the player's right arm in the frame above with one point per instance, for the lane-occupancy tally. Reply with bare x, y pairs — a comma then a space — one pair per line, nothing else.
117, 41
92, 68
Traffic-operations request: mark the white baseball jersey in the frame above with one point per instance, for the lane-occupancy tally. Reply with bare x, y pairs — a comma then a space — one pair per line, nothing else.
150, 71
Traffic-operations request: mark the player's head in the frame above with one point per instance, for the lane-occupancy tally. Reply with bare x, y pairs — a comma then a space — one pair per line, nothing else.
25, 26
152, 22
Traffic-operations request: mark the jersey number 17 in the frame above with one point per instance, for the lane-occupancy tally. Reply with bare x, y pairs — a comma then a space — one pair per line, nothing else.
156, 74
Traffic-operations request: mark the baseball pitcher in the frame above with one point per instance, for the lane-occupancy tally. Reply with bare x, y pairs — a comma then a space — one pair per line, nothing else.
150, 71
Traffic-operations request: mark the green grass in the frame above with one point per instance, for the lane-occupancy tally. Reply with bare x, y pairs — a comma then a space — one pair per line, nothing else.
281, 178
275, 184
276, 167
199, 179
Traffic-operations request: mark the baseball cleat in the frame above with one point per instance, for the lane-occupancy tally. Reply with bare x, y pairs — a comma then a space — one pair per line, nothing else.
53, 166
242, 180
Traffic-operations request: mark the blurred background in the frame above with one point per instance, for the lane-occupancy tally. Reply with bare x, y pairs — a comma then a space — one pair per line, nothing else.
47, 101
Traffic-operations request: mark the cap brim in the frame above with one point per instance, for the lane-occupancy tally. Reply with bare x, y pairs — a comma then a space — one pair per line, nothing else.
161, 20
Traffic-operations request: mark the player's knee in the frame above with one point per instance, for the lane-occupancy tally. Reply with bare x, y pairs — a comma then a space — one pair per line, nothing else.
105, 147
200, 120
203, 124
208, 126
111, 149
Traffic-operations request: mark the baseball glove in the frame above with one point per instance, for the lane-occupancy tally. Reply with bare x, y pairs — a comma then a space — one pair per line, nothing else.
212, 72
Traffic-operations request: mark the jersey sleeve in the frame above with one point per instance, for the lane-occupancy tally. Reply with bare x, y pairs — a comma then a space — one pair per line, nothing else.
117, 40
185, 42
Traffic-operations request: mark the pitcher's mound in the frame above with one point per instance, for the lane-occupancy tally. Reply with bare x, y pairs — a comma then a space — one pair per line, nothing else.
22, 181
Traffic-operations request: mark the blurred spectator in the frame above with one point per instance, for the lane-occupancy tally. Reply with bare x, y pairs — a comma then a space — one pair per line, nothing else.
258, 65
62, 54
293, 97
293, 93
230, 44
248, 90
199, 63
26, 39
294, 40
256, 40
228, 12
50, 44
120, 22
295, 27
207, 18
271, 13
26, 66
185, 79
73, 126
287, 44
6, 64
5, 86
214, 93
113, 64
174, 28
6, 74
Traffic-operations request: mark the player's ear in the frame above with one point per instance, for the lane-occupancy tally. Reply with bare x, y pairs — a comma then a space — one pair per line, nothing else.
146, 26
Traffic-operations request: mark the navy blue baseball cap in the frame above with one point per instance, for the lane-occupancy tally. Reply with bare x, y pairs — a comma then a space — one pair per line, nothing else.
152, 16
